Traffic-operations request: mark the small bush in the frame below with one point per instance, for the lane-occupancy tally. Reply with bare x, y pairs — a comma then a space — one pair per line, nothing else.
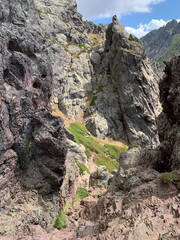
132, 37
169, 177
115, 151
60, 221
108, 162
81, 193
100, 194
82, 168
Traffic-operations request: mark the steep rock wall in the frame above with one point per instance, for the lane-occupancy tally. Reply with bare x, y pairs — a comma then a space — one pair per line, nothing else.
32, 141
85, 81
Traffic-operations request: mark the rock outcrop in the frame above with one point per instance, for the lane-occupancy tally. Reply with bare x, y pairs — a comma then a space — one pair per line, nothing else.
145, 190
49, 56
86, 83
32, 141
125, 87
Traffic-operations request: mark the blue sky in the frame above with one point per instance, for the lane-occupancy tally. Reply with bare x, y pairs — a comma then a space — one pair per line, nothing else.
138, 16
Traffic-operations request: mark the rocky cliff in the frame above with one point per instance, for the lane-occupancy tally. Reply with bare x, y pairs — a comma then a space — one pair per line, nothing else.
163, 43
143, 200
53, 64
86, 86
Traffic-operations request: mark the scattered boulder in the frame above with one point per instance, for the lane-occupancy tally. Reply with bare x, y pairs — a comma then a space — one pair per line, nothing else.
100, 177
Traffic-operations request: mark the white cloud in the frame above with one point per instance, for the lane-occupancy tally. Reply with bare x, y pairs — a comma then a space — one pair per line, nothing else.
92, 9
143, 29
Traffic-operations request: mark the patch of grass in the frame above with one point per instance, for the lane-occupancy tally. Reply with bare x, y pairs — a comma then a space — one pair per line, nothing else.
88, 153
74, 203
96, 40
53, 41
81, 193
115, 151
82, 168
90, 144
82, 46
60, 221
108, 162
169, 177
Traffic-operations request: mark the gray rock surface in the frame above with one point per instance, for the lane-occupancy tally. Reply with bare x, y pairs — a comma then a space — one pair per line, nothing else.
169, 89
32, 141
137, 86
86, 80
100, 177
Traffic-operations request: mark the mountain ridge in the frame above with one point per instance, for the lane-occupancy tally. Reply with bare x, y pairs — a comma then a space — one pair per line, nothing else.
163, 43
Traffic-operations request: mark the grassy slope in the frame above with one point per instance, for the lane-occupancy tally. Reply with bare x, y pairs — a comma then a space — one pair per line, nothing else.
107, 154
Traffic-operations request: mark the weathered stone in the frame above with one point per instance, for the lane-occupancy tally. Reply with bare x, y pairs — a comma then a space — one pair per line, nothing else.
98, 126
28, 129
133, 75
100, 177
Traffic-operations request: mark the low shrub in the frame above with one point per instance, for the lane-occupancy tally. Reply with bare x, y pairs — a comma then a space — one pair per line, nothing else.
169, 177
60, 221
132, 37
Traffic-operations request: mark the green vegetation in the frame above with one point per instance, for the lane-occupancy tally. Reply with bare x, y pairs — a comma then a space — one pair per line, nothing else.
108, 162
169, 177
132, 51
107, 155
132, 37
78, 130
115, 151
40, 12
60, 221
92, 96
82, 168
136, 144
100, 194
88, 153
74, 203
81, 193
82, 46
97, 40
91, 99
